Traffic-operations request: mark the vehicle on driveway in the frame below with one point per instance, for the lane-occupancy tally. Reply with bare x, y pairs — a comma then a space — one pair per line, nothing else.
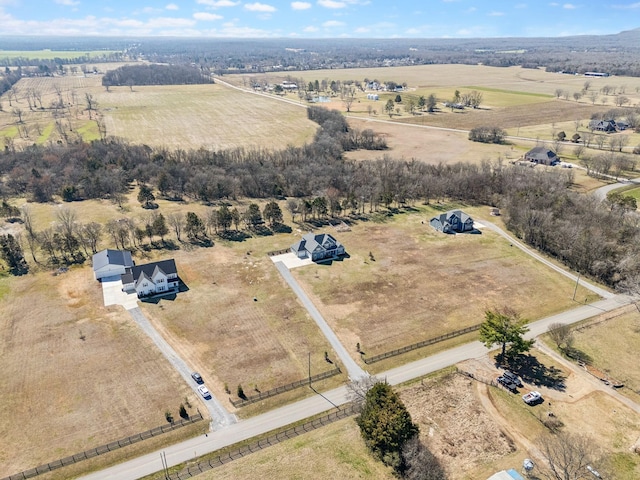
508, 384
204, 391
196, 376
512, 377
532, 398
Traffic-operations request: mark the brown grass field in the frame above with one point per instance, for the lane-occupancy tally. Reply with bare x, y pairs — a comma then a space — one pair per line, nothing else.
424, 283
76, 374
612, 345
184, 116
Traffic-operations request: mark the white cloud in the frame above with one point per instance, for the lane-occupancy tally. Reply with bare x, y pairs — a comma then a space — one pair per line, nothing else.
496, 14
333, 23
218, 3
310, 29
300, 5
207, 17
259, 7
172, 6
625, 7
470, 10
362, 30
331, 4
569, 6
68, 3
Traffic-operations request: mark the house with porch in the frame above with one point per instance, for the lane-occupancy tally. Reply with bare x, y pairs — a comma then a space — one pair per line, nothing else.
151, 278
318, 247
453, 221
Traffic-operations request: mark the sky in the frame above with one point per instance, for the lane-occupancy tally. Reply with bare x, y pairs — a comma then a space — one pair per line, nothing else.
318, 18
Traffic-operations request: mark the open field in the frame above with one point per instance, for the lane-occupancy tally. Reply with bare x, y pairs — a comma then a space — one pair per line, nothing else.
183, 116
229, 337
425, 283
613, 346
76, 374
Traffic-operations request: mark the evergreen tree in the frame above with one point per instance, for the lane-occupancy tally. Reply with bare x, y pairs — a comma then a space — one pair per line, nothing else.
160, 227
386, 425
146, 196
11, 252
194, 227
272, 212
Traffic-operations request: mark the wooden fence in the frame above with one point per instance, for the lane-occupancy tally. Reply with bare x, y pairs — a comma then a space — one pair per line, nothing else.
424, 343
109, 447
285, 388
205, 465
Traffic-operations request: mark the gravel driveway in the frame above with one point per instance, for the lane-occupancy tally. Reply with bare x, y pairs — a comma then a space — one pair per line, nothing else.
219, 415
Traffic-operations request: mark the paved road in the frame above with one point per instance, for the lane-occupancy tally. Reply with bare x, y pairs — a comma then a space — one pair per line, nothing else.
283, 416
219, 416
353, 369
602, 192
594, 288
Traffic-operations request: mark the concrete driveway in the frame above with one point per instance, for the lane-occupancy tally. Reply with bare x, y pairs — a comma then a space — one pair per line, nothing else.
113, 295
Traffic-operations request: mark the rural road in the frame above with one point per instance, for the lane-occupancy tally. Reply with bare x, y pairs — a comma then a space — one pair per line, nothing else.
602, 192
353, 369
245, 429
219, 416
594, 288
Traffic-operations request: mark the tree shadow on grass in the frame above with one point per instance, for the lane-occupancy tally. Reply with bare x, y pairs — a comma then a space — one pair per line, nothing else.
262, 231
234, 235
281, 228
532, 371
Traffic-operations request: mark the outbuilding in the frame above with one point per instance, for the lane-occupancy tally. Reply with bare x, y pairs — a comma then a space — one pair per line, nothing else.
109, 263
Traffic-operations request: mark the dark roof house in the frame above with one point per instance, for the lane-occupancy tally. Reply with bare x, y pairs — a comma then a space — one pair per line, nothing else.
542, 155
151, 278
606, 126
453, 221
320, 246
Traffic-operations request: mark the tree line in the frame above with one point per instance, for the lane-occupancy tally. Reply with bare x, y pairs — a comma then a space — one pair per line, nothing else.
153, 74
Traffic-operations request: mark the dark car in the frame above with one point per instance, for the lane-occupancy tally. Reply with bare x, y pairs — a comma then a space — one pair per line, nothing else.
196, 376
508, 384
512, 377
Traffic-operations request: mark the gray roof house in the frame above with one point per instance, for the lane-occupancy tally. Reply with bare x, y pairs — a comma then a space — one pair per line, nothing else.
607, 126
542, 155
320, 246
109, 263
453, 221
151, 278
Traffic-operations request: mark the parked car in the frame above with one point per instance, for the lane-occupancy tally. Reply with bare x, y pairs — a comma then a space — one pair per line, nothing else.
513, 377
508, 384
196, 376
204, 391
532, 398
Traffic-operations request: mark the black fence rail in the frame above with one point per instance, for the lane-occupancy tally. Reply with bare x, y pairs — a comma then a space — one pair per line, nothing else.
94, 452
424, 343
205, 465
284, 388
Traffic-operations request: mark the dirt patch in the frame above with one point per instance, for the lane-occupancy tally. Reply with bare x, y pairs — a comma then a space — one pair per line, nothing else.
454, 425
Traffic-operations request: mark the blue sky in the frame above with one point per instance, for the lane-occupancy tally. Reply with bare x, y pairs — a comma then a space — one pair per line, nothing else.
317, 18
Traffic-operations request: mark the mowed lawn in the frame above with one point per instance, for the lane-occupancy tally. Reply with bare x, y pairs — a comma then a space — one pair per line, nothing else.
239, 323
404, 282
76, 375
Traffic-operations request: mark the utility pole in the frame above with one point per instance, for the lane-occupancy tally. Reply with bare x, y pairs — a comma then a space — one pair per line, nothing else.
576, 289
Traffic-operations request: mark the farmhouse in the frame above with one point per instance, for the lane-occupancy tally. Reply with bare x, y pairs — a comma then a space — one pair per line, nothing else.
319, 246
542, 156
109, 263
606, 126
453, 221
151, 278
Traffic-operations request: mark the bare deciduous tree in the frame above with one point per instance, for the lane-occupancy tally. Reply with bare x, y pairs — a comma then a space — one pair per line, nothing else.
561, 334
567, 456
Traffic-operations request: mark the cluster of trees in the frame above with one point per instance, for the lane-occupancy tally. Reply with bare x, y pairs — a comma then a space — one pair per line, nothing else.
9, 79
392, 437
153, 74
487, 134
